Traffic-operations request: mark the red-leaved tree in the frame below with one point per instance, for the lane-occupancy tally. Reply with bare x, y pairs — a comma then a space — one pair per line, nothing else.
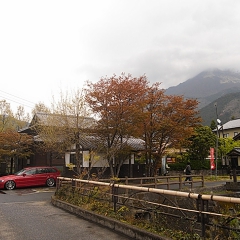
117, 102
168, 122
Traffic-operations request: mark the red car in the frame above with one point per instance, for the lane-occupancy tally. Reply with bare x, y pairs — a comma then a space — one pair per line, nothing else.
31, 176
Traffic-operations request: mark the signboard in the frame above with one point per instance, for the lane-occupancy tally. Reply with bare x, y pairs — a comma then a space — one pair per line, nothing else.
171, 159
212, 164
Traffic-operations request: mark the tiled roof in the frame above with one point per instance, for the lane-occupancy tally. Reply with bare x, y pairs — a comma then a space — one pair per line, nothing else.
91, 142
58, 120
87, 141
234, 152
61, 120
232, 124
135, 144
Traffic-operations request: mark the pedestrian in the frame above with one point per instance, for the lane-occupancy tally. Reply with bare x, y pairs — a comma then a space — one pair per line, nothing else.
188, 171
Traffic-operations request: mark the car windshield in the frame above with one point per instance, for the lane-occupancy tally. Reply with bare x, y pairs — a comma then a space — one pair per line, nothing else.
20, 172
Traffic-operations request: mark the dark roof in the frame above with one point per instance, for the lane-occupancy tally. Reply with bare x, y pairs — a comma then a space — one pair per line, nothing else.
58, 120
237, 137
87, 141
136, 143
91, 142
234, 152
27, 130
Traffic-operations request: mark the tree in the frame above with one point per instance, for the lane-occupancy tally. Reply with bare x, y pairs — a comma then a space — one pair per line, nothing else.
40, 107
200, 143
117, 102
21, 118
168, 122
62, 128
213, 125
8, 120
14, 145
50, 137
226, 145
6, 115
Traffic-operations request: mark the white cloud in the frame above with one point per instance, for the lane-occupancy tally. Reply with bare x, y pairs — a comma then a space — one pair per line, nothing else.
47, 46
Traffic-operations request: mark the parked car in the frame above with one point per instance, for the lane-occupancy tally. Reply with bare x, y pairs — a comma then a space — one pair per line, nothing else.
31, 176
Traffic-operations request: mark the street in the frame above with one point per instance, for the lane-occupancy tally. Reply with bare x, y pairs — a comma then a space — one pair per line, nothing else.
28, 214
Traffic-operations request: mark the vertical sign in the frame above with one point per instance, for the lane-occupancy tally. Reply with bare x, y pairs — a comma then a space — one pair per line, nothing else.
212, 164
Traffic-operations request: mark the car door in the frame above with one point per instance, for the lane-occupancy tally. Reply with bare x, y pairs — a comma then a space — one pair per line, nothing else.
27, 179
41, 176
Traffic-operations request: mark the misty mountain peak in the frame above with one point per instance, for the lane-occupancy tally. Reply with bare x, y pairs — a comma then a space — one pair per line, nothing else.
208, 83
226, 76
210, 86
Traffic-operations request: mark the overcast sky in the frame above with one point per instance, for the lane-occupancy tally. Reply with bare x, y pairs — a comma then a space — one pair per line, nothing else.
49, 46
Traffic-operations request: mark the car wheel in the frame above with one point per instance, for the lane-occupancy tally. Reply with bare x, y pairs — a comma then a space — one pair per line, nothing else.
50, 182
10, 185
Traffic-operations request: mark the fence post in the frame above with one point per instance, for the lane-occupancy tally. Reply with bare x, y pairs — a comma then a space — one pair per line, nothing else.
168, 187
126, 182
202, 206
73, 185
114, 197
180, 182
202, 180
191, 182
58, 184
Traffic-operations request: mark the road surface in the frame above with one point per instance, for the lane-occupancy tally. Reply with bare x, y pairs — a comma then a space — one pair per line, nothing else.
28, 214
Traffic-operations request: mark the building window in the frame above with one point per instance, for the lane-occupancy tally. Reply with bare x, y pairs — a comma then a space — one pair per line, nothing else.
73, 159
235, 134
225, 135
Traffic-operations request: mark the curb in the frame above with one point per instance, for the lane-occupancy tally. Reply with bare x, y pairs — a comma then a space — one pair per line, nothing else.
107, 222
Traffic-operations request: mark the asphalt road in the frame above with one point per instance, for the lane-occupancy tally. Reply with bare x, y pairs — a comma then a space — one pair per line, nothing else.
28, 214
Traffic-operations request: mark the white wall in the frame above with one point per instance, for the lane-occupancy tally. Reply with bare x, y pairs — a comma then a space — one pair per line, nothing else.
97, 161
132, 159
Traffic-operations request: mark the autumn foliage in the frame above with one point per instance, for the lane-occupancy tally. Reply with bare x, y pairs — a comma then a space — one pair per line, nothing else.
117, 103
14, 145
123, 107
168, 122
128, 106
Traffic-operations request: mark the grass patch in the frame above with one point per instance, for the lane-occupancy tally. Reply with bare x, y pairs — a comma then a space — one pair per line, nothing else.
213, 178
101, 204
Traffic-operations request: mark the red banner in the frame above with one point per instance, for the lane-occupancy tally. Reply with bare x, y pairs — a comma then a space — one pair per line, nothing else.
212, 164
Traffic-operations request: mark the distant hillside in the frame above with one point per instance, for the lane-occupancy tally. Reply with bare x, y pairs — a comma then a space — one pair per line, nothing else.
228, 107
208, 86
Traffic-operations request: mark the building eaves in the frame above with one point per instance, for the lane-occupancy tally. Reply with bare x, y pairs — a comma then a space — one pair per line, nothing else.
231, 124
237, 137
92, 142
234, 152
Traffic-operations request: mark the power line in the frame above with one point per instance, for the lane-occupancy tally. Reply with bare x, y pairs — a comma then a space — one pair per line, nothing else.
18, 97
18, 100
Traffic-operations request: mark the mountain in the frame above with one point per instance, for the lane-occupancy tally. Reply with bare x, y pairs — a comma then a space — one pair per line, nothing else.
225, 108
211, 87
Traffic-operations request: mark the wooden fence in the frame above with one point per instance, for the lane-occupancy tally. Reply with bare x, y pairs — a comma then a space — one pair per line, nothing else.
161, 181
190, 212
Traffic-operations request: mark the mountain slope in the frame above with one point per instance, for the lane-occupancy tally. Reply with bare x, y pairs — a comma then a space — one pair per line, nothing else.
228, 107
208, 86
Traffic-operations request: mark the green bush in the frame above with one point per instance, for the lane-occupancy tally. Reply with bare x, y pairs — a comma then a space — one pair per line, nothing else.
179, 166
200, 165
196, 165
